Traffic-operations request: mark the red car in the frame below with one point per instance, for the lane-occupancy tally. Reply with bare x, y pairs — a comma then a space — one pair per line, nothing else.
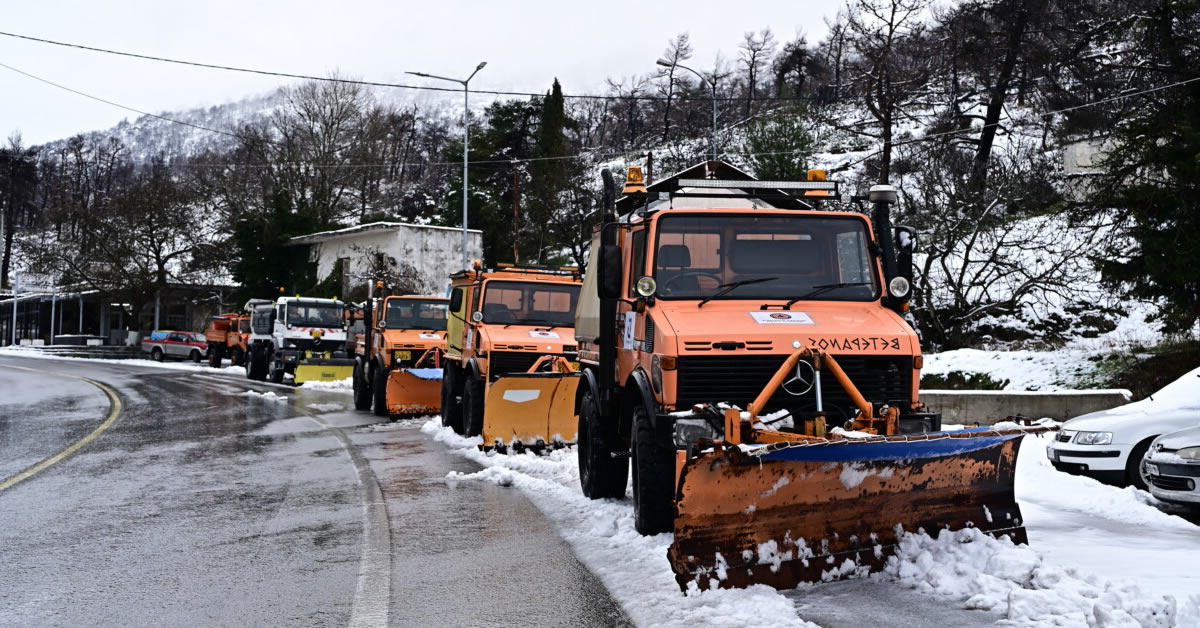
184, 345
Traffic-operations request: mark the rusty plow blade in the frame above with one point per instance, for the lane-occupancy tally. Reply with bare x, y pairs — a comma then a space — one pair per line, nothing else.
414, 391
530, 410
791, 512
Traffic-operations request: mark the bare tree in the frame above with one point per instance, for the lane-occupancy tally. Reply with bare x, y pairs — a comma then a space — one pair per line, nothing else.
678, 50
755, 53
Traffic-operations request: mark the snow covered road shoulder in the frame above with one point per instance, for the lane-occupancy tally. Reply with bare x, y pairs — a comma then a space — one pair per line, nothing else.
1063, 579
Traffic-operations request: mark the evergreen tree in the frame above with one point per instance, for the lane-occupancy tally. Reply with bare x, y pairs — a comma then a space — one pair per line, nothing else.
779, 145
551, 173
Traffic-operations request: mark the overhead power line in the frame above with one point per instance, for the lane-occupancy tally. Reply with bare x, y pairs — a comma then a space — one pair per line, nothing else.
331, 79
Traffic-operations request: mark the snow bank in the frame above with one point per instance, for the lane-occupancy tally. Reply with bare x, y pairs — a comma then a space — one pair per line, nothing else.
634, 568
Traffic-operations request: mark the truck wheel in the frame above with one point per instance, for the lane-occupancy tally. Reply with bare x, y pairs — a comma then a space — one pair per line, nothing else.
653, 501
156, 354
472, 406
362, 392
214, 358
237, 357
451, 405
600, 475
379, 391
276, 371
256, 365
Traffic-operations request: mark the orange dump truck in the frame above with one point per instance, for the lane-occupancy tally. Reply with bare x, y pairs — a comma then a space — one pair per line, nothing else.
511, 355
397, 357
743, 350
226, 336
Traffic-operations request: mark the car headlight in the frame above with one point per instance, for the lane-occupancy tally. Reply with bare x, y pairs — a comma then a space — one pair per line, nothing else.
1093, 438
1189, 453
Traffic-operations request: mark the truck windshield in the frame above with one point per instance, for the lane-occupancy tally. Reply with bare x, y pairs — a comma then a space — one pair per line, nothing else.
244, 325
416, 314
530, 303
769, 258
314, 314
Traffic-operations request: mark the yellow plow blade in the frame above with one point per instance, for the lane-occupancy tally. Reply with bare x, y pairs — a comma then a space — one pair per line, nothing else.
531, 409
318, 372
414, 391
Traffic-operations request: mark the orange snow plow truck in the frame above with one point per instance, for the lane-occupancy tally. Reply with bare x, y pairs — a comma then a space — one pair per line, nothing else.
509, 374
397, 357
743, 349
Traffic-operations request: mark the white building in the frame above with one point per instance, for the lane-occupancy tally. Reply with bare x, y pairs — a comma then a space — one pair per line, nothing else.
434, 252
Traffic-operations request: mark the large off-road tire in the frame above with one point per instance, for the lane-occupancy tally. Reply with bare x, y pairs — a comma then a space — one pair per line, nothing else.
237, 357
600, 474
1134, 471
653, 476
451, 403
156, 354
214, 357
379, 391
256, 365
276, 370
472, 406
362, 390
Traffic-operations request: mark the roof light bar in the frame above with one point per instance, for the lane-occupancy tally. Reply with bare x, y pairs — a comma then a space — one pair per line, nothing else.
831, 186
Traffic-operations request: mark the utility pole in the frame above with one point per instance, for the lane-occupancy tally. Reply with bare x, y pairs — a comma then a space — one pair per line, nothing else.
516, 213
466, 142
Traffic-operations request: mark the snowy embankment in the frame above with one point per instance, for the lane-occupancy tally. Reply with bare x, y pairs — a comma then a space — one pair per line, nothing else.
1099, 556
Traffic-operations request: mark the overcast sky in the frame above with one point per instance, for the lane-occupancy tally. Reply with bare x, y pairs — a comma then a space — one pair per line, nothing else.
526, 43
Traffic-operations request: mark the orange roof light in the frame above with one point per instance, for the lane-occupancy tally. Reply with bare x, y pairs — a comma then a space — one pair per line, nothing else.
634, 182
817, 175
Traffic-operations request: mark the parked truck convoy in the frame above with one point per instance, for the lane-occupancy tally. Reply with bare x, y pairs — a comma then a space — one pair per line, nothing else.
508, 329
397, 355
299, 336
743, 353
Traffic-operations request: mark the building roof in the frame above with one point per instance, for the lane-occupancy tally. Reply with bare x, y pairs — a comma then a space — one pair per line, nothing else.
367, 228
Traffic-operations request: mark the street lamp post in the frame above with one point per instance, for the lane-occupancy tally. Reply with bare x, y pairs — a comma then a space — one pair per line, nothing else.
466, 141
712, 84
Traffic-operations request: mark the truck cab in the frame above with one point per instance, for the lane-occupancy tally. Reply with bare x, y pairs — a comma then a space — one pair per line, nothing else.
502, 322
404, 332
295, 336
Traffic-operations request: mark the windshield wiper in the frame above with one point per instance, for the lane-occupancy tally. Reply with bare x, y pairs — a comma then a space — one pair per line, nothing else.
535, 322
822, 289
726, 288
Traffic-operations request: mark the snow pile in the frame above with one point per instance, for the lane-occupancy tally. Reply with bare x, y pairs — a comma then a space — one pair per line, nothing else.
994, 574
633, 567
267, 396
327, 407
341, 385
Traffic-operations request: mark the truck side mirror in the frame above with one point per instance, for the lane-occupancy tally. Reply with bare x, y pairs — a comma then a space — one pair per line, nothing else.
456, 300
609, 267
906, 244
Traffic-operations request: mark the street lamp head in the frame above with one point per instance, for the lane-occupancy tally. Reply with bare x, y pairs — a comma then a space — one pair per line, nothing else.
418, 74
480, 66
665, 63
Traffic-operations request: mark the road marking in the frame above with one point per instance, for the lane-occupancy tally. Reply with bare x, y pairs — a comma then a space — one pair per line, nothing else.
114, 411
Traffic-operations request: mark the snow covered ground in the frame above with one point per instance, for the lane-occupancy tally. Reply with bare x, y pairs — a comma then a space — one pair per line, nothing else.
1099, 555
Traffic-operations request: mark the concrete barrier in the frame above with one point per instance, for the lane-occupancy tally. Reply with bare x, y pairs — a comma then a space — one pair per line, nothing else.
987, 407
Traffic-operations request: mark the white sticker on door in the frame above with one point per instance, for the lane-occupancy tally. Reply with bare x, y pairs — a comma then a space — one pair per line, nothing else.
630, 322
537, 333
782, 318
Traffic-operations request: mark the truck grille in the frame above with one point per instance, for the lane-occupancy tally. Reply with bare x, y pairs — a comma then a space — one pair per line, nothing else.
738, 379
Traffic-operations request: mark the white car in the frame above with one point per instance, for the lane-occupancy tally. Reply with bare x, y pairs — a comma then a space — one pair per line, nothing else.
1173, 467
1109, 445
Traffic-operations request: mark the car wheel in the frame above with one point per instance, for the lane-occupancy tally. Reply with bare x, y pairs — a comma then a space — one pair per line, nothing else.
1135, 468
472, 406
600, 474
451, 404
653, 475
379, 391
156, 354
194, 356
362, 392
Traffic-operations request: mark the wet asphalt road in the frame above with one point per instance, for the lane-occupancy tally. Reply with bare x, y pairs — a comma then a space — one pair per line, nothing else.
202, 505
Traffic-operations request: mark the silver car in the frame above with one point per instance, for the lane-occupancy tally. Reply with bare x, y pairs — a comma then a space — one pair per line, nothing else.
1172, 467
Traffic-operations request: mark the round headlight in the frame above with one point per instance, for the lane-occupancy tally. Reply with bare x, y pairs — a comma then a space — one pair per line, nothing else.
898, 287
646, 286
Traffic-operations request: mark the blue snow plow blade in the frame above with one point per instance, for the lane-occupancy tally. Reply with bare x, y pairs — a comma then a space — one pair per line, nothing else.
427, 374
934, 445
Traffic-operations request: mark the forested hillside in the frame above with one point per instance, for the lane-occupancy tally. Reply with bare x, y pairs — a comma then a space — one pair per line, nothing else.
969, 108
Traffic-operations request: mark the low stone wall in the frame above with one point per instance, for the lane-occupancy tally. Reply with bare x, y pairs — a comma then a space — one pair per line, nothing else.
987, 407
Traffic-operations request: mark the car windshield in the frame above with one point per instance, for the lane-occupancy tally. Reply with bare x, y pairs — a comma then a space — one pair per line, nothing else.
768, 258
530, 303
314, 314
416, 314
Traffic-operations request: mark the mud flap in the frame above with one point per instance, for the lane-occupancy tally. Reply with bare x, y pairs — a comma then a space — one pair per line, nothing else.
414, 391
782, 515
531, 409
323, 371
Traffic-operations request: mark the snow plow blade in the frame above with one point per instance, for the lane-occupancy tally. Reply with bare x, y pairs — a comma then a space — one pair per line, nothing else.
414, 391
530, 410
791, 512
323, 370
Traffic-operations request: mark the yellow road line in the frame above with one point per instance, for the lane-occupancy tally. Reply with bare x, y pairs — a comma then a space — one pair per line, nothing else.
114, 412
